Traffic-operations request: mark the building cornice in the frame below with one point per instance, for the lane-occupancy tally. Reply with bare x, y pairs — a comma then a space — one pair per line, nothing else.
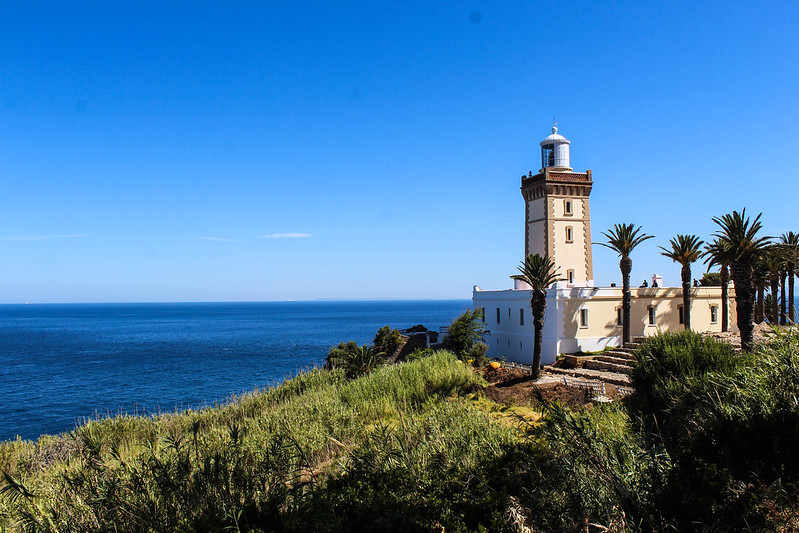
554, 181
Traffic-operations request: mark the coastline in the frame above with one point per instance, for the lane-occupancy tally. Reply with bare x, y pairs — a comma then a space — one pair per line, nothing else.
64, 363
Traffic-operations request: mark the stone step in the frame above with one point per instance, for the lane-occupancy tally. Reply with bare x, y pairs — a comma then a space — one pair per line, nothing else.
607, 367
638, 340
618, 354
624, 349
613, 378
610, 358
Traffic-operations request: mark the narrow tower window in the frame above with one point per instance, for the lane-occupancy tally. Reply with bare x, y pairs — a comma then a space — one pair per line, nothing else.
583, 318
714, 314
681, 311
619, 316
651, 316
567, 208
521, 317
497, 315
570, 276
569, 234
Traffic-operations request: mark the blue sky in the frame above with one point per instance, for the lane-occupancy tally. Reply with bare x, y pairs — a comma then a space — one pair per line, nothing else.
300, 150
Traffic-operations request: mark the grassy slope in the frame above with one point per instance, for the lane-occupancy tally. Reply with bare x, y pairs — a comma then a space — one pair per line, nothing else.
258, 460
707, 441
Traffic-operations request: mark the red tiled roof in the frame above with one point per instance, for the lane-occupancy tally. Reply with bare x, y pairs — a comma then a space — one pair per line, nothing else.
568, 176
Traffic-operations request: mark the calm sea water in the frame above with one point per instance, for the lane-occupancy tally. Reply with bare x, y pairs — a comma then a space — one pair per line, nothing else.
60, 364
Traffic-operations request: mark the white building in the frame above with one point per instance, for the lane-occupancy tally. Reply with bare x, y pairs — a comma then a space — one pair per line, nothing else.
579, 315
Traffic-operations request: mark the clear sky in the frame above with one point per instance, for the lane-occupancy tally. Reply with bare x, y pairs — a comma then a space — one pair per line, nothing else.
169, 151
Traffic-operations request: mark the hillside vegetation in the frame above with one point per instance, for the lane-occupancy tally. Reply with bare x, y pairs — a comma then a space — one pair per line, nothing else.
707, 442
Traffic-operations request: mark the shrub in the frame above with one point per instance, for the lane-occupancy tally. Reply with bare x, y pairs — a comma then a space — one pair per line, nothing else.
667, 362
477, 354
353, 359
595, 465
729, 423
387, 340
441, 470
710, 279
464, 332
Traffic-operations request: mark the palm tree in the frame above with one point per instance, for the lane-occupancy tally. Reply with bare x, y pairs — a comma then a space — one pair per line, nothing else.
539, 273
623, 239
685, 249
761, 280
773, 263
744, 246
790, 243
716, 254
783, 300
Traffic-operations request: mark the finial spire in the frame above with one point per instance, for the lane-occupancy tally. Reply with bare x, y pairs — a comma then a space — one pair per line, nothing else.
554, 125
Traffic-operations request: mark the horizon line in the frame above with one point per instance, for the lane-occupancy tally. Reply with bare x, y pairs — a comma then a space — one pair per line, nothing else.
297, 300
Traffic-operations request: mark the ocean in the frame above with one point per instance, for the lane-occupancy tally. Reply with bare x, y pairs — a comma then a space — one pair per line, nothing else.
63, 363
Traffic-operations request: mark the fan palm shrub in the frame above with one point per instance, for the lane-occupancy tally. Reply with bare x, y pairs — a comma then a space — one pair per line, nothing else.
355, 360
685, 249
622, 239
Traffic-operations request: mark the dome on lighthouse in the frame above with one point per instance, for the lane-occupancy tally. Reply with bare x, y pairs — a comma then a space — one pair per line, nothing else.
554, 138
555, 151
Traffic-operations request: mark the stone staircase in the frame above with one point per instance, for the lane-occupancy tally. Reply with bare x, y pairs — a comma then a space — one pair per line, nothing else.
613, 366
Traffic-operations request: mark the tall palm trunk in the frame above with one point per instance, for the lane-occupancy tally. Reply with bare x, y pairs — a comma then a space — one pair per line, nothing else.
774, 281
725, 302
783, 300
626, 266
743, 277
685, 272
791, 311
538, 305
760, 312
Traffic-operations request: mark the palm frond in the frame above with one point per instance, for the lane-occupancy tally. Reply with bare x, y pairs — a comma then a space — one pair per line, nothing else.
740, 235
685, 249
538, 272
717, 253
623, 238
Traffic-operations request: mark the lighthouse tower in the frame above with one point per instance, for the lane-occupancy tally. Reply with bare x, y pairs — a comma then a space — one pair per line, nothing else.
557, 215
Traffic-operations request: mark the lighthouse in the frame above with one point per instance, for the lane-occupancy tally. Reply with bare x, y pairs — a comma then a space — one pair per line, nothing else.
557, 213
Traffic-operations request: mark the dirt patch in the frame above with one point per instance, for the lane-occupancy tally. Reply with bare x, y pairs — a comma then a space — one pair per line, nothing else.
504, 375
515, 386
524, 393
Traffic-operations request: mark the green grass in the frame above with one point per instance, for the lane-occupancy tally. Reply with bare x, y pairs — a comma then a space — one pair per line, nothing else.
253, 460
707, 442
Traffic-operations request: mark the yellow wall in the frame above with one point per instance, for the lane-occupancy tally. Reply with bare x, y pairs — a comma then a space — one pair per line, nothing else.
602, 311
574, 255
536, 223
